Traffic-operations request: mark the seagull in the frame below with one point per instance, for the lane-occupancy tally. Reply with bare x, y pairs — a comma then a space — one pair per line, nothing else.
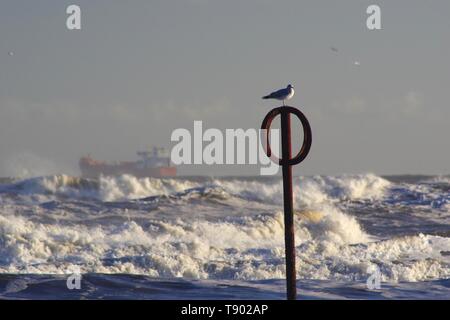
282, 94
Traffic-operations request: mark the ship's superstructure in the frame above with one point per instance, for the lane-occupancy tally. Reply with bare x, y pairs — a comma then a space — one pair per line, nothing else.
154, 163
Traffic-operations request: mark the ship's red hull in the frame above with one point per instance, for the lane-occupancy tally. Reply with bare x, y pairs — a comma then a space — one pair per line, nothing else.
91, 169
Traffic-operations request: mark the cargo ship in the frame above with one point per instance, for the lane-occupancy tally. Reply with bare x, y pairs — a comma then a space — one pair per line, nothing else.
155, 163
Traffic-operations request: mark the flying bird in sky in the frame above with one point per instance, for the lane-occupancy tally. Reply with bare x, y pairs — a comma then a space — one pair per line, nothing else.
282, 94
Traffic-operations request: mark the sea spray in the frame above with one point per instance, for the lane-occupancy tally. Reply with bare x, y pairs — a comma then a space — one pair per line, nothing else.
223, 228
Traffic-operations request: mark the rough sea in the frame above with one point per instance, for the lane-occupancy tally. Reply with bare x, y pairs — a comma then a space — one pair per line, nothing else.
223, 238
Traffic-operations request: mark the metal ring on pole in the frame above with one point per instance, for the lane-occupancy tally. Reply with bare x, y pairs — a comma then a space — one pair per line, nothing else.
307, 135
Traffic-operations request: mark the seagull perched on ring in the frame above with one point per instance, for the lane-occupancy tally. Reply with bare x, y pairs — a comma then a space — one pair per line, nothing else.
282, 94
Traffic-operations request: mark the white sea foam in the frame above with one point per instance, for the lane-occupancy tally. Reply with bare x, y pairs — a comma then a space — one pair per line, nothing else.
239, 237
128, 187
309, 191
332, 247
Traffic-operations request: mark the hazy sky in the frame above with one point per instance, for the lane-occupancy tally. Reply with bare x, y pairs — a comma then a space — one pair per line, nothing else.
139, 69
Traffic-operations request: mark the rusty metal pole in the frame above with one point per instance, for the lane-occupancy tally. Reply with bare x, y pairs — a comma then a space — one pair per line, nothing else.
289, 235
287, 162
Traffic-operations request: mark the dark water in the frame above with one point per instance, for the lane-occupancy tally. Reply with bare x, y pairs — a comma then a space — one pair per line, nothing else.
222, 238
107, 287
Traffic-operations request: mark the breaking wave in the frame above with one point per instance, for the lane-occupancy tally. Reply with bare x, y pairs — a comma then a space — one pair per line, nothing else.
223, 228
309, 190
330, 245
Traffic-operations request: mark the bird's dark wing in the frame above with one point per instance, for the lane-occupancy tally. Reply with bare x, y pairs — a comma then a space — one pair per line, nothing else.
279, 93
